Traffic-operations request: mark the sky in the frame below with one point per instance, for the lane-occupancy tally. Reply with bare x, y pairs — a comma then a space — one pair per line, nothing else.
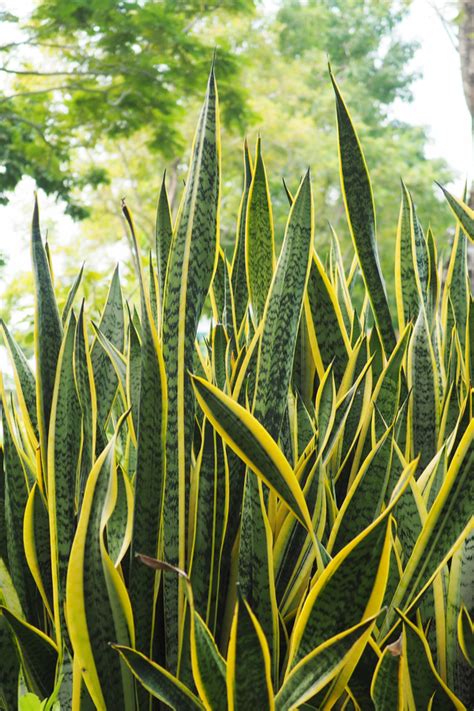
438, 104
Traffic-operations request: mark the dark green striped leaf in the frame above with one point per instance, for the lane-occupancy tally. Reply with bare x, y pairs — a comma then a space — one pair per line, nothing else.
190, 269
423, 381
446, 523
209, 668
87, 399
238, 272
71, 296
64, 443
327, 333
159, 682
112, 326
360, 210
211, 511
318, 668
259, 239
38, 653
282, 313
163, 235
249, 683
246, 436
386, 690
16, 496
462, 212
24, 381
424, 680
98, 609
48, 332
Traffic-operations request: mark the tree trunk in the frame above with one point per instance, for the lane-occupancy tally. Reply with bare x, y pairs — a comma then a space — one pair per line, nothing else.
466, 53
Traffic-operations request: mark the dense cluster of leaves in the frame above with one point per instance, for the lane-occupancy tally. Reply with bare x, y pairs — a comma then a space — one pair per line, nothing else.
278, 516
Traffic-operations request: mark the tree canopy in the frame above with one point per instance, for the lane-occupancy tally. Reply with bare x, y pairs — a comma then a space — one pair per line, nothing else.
102, 97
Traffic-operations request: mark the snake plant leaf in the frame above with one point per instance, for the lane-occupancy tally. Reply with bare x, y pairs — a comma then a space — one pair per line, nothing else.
424, 681
319, 667
64, 444
282, 313
420, 253
71, 296
163, 235
423, 382
37, 546
386, 394
292, 548
87, 399
446, 525
386, 689
365, 498
327, 333
210, 515
238, 271
38, 653
249, 682
219, 344
222, 298
406, 288
246, 436
16, 496
256, 568
351, 586
191, 265
209, 668
341, 594
259, 238
463, 213
9, 668
133, 376
456, 288
466, 634
119, 526
3, 531
117, 359
460, 675
48, 331
158, 681
360, 211
112, 326
150, 464
433, 281
24, 383
98, 609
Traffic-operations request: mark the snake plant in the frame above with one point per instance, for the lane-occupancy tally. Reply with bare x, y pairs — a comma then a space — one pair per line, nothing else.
276, 516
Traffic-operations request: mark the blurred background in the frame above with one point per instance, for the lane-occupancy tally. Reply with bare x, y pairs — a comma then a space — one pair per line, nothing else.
98, 98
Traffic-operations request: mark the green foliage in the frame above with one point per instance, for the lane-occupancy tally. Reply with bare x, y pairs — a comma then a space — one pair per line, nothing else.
279, 515
102, 71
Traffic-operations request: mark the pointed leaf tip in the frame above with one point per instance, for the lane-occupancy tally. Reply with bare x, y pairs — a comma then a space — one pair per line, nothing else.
35, 227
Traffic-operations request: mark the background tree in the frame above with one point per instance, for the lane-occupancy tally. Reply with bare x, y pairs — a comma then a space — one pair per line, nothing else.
84, 73
116, 102
466, 54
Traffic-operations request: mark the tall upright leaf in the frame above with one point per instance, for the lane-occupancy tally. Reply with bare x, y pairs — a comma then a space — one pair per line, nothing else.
190, 268
112, 326
238, 273
64, 442
48, 332
282, 313
163, 235
150, 463
360, 210
259, 238
98, 609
